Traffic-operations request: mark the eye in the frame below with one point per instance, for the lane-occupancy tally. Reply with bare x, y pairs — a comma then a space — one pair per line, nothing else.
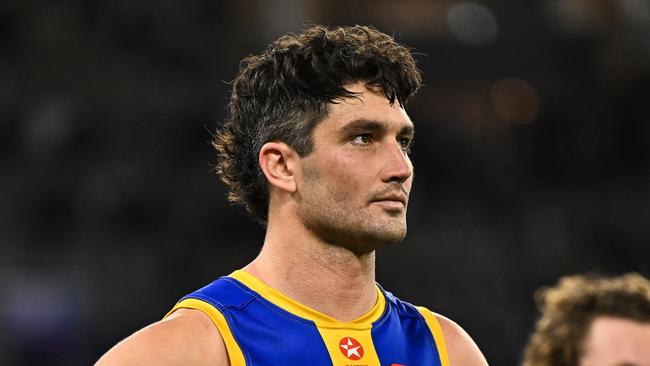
406, 143
362, 139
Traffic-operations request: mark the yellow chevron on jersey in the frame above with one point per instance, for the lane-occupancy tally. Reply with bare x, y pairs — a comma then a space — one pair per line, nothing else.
261, 326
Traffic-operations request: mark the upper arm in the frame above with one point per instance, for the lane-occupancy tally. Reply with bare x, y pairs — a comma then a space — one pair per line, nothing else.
461, 349
186, 337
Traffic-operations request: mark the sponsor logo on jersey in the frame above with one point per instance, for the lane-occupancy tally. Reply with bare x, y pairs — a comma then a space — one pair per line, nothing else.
351, 348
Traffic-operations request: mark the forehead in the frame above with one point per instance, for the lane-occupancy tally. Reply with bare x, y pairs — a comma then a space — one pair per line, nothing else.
368, 105
617, 341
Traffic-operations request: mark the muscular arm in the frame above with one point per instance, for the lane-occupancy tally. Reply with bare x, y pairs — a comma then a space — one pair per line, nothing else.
461, 349
186, 337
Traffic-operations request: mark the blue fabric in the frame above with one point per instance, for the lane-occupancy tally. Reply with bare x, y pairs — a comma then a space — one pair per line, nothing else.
270, 335
402, 336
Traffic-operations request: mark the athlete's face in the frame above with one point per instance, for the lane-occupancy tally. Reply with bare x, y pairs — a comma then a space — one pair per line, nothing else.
354, 186
616, 342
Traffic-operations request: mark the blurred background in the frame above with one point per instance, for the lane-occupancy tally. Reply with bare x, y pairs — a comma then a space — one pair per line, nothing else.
532, 156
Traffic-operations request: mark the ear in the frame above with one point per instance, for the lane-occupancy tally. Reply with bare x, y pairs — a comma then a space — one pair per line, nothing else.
277, 161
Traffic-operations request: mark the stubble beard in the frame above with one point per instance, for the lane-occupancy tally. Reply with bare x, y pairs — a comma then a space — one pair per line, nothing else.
334, 222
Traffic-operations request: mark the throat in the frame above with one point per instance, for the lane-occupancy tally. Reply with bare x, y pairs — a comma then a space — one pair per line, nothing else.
331, 281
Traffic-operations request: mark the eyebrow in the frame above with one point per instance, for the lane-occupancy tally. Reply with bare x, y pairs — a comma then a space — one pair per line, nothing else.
364, 125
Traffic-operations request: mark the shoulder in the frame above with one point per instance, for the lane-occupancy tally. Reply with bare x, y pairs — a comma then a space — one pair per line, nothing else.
461, 349
186, 337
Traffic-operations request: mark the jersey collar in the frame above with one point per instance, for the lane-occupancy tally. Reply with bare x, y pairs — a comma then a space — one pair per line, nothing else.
274, 296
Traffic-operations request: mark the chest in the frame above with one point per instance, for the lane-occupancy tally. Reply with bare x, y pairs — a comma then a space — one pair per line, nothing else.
270, 336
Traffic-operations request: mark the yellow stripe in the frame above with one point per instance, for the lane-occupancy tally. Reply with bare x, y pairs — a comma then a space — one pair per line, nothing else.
436, 330
296, 308
333, 338
234, 352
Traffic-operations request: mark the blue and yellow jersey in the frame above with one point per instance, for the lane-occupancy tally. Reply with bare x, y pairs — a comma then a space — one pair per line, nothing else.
261, 326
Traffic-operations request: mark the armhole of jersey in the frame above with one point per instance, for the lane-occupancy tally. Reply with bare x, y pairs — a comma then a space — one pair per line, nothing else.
436, 330
235, 354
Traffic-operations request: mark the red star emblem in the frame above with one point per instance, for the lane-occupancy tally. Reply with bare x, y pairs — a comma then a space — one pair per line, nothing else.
351, 348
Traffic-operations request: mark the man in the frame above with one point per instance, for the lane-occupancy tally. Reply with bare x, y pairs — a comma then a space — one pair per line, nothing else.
316, 147
593, 322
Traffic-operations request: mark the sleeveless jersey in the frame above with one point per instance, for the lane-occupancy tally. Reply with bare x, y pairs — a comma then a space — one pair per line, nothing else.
260, 327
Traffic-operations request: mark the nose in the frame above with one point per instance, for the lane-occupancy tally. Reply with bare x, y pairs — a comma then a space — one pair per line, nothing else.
397, 164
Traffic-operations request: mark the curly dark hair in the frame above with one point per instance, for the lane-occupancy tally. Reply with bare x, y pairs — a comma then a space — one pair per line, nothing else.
569, 308
282, 94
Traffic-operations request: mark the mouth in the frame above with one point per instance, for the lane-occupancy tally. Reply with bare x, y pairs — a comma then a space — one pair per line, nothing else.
398, 198
393, 201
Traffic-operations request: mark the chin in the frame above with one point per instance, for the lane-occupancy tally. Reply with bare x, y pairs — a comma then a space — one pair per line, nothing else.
395, 238
372, 242
387, 236
360, 233
362, 240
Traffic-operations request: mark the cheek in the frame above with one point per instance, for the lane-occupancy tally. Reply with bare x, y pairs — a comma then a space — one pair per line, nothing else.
344, 181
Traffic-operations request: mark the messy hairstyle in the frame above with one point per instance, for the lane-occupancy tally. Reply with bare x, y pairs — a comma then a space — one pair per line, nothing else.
569, 308
284, 92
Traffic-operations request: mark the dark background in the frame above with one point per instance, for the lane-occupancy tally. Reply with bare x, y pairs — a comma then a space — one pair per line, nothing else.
532, 156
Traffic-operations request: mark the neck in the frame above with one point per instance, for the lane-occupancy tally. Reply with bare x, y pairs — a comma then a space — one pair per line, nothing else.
319, 275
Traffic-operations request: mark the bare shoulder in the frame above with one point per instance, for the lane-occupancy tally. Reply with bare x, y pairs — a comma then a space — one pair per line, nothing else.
186, 337
461, 349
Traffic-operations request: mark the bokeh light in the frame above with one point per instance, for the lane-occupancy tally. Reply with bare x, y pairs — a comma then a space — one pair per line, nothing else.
514, 100
472, 23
